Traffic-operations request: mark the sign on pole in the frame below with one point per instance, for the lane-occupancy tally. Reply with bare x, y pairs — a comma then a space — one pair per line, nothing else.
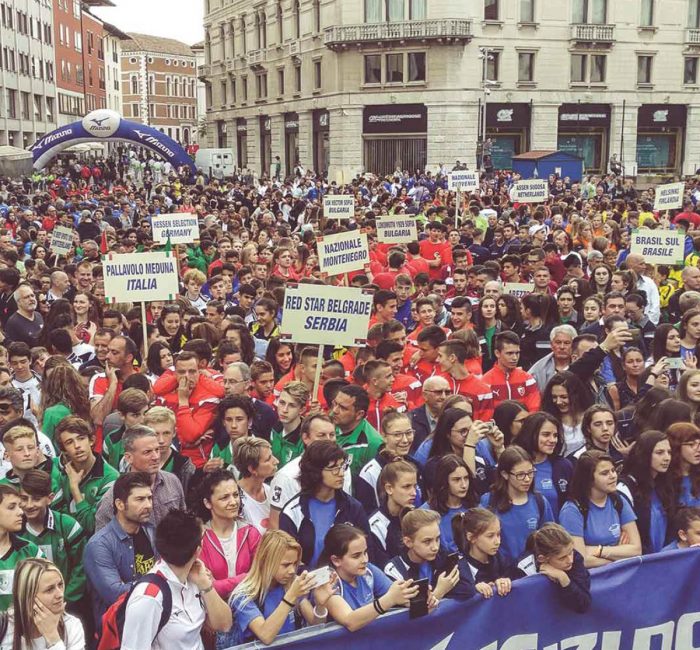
396, 229
343, 253
659, 246
183, 228
518, 289
61, 240
140, 277
338, 206
325, 315
669, 197
535, 190
463, 181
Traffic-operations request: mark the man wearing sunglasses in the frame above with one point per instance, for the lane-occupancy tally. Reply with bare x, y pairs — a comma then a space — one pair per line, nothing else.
436, 390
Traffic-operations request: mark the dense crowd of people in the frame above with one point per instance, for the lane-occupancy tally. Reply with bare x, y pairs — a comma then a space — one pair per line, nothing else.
194, 491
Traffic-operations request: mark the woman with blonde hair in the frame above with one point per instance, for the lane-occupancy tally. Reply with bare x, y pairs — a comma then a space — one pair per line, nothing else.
38, 620
265, 602
62, 394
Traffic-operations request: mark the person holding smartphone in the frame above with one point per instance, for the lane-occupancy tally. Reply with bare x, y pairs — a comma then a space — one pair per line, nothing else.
423, 558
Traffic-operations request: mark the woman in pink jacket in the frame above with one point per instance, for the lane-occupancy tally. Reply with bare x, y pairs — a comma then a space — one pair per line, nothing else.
228, 544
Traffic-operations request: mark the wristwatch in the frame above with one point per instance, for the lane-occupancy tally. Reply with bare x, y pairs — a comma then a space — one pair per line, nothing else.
207, 590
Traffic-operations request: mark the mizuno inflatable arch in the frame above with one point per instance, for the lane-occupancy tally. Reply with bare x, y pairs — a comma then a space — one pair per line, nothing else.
104, 124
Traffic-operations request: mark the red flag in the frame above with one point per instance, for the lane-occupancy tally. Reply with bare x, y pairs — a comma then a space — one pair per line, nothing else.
103, 244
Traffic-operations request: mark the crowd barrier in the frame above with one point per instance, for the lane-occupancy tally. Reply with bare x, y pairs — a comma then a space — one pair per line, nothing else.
648, 603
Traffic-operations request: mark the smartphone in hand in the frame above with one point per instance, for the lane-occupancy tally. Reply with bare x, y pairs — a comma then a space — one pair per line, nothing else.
418, 605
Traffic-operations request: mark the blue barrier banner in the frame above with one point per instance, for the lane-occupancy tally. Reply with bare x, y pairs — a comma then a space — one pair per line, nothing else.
648, 603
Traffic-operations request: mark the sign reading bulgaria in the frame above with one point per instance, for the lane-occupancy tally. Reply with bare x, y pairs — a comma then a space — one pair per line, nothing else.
183, 228
534, 190
338, 206
396, 229
61, 240
140, 277
343, 253
669, 197
659, 246
324, 315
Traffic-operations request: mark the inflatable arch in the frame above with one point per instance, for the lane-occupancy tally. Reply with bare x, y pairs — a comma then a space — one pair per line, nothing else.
108, 125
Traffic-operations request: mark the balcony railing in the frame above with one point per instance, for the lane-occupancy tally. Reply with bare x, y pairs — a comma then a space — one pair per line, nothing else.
254, 57
692, 37
204, 71
593, 33
453, 29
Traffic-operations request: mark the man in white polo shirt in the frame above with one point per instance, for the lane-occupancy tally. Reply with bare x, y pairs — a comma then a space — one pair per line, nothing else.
285, 483
193, 597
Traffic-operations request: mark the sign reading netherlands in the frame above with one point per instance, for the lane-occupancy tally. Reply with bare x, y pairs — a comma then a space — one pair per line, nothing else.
669, 197
140, 277
61, 240
324, 315
518, 289
396, 229
659, 246
534, 190
336, 206
183, 228
463, 181
343, 253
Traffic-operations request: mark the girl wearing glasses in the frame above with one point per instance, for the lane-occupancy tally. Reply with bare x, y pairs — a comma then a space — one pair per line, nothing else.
515, 502
648, 486
454, 492
321, 502
601, 521
397, 432
685, 462
398, 490
541, 436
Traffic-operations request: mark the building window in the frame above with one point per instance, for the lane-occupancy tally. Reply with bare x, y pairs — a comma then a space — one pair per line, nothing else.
317, 75
394, 68
526, 66
647, 17
280, 83
373, 69
417, 10
78, 41
37, 107
25, 105
224, 93
527, 11
373, 11
233, 91
296, 18
590, 12
694, 14
232, 31
280, 22
490, 9
244, 81
11, 97
76, 8
297, 78
580, 71
492, 66
690, 70
416, 66
261, 81
134, 85
49, 109
644, 66
395, 10
317, 16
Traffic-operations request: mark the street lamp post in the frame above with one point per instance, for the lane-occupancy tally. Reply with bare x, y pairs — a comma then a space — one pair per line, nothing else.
485, 56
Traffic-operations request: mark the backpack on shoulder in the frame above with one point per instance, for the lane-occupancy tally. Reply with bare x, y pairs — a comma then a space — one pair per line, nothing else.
113, 618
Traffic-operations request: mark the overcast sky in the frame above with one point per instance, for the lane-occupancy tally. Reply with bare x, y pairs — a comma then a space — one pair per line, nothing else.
179, 19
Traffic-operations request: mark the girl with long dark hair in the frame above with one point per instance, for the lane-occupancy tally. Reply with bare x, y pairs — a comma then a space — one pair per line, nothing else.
566, 398
685, 462
646, 482
600, 520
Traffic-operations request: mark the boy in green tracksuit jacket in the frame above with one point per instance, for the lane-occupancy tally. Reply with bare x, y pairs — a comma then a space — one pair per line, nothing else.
21, 450
87, 477
59, 537
285, 436
236, 414
12, 549
132, 405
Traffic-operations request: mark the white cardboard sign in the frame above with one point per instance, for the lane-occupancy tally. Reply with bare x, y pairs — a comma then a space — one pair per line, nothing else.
61, 240
325, 315
183, 228
396, 229
659, 246
518, 289
463, 181
669, 197
140, 277
343, 253
535, 190
338, 206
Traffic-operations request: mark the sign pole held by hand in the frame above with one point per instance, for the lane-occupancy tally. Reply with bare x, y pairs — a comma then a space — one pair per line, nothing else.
317, 376
144, 325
